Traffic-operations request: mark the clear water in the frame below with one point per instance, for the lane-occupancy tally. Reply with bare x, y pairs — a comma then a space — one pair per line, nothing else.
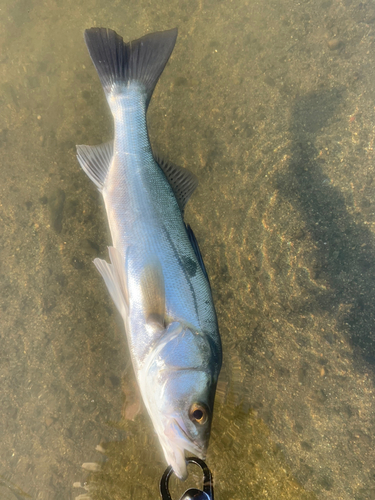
271, 104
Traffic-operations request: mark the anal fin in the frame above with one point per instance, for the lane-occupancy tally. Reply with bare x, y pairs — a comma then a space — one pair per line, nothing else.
95, 161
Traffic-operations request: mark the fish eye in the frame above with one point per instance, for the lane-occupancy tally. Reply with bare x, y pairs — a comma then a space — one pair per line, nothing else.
198, 413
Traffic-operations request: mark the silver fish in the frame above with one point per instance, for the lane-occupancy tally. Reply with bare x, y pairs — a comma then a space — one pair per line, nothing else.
156, 277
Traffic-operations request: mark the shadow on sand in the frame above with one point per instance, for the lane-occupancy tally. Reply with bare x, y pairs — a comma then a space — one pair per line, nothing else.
345, 255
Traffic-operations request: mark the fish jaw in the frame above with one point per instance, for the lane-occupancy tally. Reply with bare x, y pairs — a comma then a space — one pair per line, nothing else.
175, 457
174, 443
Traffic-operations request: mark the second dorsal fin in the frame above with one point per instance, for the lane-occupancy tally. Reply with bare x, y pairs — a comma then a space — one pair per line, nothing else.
182, 181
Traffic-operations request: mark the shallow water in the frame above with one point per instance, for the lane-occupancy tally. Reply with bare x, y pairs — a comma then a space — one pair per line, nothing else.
271, 105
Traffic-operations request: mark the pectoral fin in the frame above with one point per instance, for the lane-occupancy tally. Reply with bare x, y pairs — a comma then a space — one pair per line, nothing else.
153, 294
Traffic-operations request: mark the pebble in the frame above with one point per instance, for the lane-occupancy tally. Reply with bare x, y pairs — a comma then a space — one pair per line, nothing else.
334, 44
49, 421
91, 466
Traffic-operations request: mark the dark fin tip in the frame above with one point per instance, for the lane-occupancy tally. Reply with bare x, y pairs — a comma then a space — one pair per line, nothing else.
141, 60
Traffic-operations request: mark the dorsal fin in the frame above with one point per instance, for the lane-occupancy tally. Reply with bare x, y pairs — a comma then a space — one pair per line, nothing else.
194, 244
182, 181
95, 161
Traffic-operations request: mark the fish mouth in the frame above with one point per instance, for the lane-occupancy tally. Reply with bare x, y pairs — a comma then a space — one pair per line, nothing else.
174, 449
190, 445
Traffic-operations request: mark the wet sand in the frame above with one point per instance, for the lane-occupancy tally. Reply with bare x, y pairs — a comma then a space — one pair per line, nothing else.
271, 105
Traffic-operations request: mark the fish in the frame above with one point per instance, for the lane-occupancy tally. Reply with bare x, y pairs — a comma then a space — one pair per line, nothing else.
156, 275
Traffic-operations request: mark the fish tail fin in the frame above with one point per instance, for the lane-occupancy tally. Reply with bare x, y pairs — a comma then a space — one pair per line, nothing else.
119, 64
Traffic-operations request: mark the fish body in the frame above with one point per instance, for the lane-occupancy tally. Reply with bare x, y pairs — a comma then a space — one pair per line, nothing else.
156, 277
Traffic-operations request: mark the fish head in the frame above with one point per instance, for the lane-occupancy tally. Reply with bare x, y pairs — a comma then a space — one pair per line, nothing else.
187, 419
180, 395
